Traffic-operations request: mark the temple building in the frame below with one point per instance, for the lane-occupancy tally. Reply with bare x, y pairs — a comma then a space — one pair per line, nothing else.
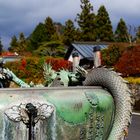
85, 51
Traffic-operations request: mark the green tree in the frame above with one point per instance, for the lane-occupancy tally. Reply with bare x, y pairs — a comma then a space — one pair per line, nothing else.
121, 33
38, 35
104, 30
22, 43
51, 48
55, 37
110, 55
13, 44
1, 47
86, 21
50, 28
69, 32
22, 38
78, 34
18, 45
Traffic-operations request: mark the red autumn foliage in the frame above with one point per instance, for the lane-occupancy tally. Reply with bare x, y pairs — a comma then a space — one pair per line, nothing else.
22, 64
58, 64
8, 54
129, 62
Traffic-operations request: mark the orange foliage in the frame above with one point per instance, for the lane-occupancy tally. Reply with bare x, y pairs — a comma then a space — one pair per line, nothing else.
129, 63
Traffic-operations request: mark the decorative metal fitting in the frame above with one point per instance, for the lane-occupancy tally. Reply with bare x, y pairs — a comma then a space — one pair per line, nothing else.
26, 112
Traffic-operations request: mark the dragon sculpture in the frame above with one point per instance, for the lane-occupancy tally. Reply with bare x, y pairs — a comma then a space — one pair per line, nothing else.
106, 78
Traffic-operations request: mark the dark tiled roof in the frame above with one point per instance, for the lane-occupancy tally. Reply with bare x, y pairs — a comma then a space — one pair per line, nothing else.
84, 49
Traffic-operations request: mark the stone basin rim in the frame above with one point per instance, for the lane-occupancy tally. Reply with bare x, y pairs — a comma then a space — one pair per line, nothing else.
50, 88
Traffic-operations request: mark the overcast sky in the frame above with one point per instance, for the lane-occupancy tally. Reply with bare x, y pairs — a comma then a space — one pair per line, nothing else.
23, 15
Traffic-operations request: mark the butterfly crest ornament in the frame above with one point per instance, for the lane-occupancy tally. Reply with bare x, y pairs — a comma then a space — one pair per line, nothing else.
29, 112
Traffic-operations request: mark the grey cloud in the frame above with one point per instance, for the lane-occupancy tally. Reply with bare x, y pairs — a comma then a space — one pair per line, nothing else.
23, 15
129, 10
26, 13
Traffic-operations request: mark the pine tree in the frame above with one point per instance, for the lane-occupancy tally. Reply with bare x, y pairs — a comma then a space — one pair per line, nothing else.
69, 32
86, 21
78, 34
38, 35
13, 44
22, 43
50, 28
1, 47
121, 33
18, 45
22, 38
103, 25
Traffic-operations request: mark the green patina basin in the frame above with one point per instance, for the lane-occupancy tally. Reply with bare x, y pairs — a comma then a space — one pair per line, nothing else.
79, 113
